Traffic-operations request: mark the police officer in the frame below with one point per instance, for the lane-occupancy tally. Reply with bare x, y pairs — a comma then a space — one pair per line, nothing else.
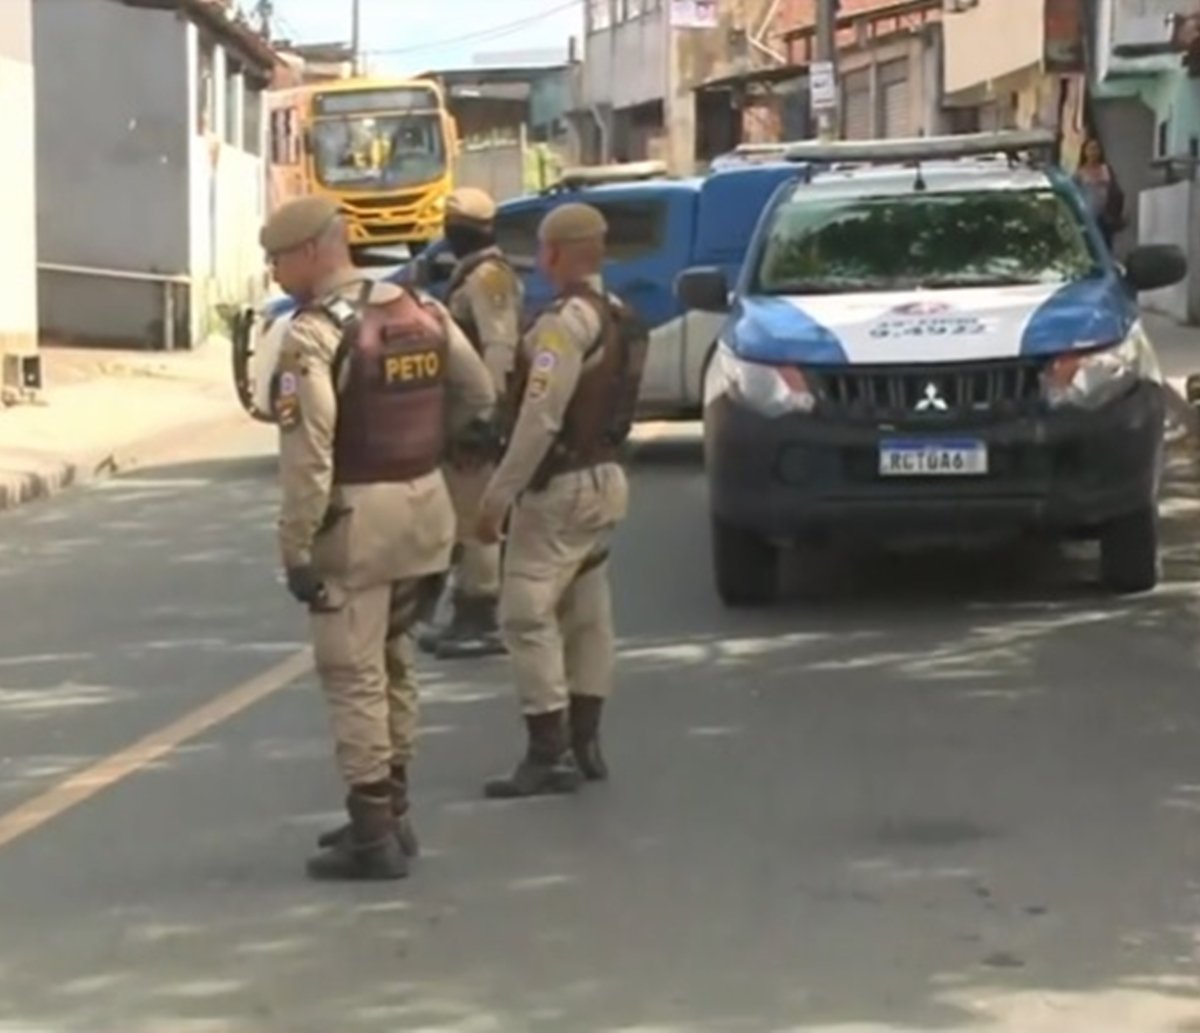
484, 296
370, 381
576, 384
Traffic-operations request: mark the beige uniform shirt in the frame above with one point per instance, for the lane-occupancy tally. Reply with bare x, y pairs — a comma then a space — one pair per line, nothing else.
556, 345
492, 297
360, 535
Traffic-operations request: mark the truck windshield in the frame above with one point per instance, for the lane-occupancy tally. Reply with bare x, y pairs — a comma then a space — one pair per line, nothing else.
931, 240
379, 152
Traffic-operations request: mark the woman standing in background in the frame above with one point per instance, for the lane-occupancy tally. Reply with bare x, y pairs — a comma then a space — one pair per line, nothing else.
1104, 196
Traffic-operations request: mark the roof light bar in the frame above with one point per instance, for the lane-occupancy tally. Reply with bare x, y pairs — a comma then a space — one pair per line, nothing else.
625, 172
924, 148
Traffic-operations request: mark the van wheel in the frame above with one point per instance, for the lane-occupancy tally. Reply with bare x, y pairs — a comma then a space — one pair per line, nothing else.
1129, 552
745, 566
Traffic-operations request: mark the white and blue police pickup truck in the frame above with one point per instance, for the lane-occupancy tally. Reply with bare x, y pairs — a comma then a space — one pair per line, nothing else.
929, 339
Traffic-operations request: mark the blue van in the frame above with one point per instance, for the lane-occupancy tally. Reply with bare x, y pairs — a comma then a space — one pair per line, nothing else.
658, 227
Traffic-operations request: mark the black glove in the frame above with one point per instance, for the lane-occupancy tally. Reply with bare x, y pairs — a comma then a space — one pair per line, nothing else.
305, 586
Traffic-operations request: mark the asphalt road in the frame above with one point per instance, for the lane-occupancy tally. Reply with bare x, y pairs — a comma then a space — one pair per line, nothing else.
962, 794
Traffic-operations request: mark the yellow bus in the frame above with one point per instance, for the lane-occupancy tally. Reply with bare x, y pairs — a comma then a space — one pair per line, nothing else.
383, 149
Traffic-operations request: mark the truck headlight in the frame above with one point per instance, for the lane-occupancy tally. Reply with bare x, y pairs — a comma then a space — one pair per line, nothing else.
771, 391
1091, 379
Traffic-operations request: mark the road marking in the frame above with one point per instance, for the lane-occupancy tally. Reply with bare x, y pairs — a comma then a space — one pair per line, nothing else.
79, 787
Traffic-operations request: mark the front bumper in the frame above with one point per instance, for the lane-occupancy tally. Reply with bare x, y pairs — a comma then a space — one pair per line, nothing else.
801, 478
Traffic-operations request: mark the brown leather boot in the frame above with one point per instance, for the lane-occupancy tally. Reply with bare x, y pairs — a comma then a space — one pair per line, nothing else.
372, 850
548, 766
400, 807
474, 632
585, 737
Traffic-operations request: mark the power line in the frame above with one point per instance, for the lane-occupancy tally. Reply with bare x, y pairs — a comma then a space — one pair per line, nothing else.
483, 35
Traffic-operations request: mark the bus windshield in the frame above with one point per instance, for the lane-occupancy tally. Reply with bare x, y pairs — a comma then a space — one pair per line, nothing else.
380, 151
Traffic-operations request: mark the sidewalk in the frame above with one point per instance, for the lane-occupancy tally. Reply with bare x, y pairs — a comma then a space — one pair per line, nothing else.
104, 411
1178, 348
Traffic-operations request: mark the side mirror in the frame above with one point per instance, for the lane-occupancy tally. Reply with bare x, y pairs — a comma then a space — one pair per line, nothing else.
1154, 266
704, 289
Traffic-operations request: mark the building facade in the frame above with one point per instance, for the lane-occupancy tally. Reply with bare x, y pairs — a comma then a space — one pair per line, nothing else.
889, 63
150, 172
1146, 111
18, 261
1017, 64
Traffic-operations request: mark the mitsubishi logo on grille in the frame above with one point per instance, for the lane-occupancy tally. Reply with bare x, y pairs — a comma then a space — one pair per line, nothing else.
931, 400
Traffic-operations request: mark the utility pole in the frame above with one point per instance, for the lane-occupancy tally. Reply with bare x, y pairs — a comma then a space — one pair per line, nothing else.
823, 76
356, 34
264, 10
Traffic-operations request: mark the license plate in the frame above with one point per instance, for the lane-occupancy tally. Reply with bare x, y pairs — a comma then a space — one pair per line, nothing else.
933, 459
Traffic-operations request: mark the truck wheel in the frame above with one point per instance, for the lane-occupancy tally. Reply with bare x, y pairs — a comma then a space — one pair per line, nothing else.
746, 567
1129, 552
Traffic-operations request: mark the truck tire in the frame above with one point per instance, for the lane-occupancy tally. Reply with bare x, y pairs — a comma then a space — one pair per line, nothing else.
746, 568
1129, 552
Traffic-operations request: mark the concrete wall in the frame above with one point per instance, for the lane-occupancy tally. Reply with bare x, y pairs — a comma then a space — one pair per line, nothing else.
625, 65
992, 40
112, 150
1167, 215
18, 228
921, 52
1127, 128
226, 201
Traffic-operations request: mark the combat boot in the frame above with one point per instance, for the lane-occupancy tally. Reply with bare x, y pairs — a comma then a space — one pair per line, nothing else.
585, 737
371, 850
548, 766
474, 631
405, 832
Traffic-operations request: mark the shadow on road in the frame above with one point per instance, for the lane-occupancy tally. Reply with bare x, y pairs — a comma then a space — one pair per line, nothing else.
959, 796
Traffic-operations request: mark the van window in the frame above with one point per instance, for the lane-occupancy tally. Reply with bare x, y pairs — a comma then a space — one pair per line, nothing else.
636, 229
516, 232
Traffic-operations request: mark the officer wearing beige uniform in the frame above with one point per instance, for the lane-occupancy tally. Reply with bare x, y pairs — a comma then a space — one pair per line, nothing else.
484, 296
371, 382
574, 388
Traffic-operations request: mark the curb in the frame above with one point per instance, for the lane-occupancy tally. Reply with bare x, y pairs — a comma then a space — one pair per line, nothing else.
18, 488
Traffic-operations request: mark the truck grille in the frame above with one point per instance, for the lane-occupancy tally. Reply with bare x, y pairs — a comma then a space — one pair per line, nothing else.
990, 388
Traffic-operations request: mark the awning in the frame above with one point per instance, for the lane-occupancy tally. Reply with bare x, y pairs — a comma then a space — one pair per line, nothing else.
765, 77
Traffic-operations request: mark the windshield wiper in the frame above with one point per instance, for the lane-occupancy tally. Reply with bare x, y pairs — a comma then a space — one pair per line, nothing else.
822, 287
981, 281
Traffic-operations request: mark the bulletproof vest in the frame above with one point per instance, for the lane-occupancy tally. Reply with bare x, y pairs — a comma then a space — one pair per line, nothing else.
390, 368
600, 414
458, 280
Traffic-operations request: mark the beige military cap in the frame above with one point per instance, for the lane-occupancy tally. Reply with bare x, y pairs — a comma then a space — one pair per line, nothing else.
296, 223
468, 204
572, 222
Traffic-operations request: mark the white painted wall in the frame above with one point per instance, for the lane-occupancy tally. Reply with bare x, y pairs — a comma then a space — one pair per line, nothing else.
18, 226
226, 201
991, 40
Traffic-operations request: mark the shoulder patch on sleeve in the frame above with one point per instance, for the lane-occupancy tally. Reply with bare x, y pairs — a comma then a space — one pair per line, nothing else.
494, 282
550, 336
287, 399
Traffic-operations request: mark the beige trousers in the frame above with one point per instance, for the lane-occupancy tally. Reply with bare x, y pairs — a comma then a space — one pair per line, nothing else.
477, 572
555, 605
363, 656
